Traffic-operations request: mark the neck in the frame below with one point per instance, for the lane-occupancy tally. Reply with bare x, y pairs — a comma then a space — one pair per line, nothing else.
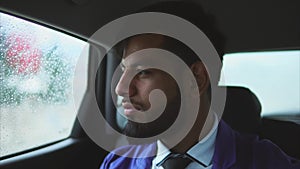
200, 129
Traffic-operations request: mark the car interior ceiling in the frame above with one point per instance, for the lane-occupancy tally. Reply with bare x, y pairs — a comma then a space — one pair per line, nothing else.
244, 30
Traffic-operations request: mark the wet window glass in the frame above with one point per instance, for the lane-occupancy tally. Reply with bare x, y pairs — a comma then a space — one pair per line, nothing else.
37, 68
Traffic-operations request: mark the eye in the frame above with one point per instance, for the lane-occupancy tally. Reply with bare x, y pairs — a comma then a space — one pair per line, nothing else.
143, 72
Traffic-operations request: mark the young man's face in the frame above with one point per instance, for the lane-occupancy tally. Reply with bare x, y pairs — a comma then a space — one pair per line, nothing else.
136, 92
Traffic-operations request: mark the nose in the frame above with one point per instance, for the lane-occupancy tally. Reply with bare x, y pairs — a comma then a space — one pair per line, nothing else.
125, 86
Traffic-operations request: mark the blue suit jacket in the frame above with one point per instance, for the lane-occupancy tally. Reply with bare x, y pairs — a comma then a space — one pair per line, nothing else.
232, 151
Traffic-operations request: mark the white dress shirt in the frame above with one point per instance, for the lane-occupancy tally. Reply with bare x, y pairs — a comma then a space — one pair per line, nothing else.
201, 152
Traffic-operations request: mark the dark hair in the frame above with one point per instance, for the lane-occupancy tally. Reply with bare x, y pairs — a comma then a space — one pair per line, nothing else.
193, 13
170, 44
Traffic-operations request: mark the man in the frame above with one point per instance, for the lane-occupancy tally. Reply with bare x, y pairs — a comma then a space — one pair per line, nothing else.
209, 143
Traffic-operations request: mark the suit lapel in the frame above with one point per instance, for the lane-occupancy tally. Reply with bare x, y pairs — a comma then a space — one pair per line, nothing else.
225, 148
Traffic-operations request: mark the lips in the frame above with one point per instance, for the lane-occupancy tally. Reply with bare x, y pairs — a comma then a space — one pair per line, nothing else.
130, 109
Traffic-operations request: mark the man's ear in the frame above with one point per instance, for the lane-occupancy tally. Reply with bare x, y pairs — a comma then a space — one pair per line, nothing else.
201, 76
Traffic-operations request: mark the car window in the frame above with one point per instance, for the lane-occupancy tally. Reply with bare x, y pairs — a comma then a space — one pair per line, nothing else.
273, 76
37, 69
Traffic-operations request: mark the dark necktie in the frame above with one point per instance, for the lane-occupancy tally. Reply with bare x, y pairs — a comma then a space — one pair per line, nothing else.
176, 161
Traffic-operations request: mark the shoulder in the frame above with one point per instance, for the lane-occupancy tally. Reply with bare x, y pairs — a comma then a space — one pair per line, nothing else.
263, 153
131, 156
267, 153
237, 150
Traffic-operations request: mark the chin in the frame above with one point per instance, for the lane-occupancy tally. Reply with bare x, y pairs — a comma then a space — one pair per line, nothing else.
148, 130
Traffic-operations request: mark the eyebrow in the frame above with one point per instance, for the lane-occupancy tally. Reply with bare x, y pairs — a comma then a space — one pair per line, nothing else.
135, 65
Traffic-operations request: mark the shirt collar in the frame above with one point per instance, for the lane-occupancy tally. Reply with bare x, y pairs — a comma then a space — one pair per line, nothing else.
162, 152
202, 151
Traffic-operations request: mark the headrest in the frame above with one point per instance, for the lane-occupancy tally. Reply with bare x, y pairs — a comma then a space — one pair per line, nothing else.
242, 110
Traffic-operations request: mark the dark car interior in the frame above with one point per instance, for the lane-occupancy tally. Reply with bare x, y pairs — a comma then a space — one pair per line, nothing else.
250, 25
